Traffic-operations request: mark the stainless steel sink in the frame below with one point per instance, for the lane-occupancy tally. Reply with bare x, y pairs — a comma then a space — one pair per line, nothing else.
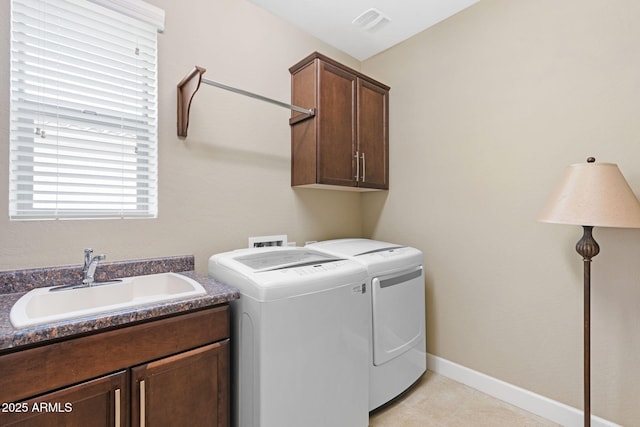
42, 305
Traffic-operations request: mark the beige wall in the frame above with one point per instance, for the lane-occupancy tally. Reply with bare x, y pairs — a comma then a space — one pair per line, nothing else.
487, 108
230, 178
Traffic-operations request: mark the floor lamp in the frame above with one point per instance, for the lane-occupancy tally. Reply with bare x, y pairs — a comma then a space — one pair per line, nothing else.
591, 194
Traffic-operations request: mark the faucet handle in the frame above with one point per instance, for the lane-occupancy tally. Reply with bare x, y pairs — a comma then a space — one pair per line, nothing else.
88, 254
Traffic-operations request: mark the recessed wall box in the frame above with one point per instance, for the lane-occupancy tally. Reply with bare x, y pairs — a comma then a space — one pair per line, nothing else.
263, 241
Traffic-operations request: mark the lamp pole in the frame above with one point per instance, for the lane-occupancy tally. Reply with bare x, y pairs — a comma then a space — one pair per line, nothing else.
587, 247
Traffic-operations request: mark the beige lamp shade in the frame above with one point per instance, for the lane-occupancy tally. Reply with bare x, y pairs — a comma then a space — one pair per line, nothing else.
592, 194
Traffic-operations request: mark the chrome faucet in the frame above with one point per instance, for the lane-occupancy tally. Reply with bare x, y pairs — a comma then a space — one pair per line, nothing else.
90, 265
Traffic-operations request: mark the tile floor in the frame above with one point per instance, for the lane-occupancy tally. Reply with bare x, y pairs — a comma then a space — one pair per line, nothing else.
437, 401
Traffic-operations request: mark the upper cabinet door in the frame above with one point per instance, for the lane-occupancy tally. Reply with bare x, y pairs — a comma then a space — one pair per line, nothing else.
337, 126
373, 135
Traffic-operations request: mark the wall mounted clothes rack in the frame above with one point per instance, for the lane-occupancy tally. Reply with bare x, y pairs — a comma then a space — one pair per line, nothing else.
190, 84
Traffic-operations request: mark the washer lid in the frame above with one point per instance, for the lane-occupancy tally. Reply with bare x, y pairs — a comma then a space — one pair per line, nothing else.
275, 260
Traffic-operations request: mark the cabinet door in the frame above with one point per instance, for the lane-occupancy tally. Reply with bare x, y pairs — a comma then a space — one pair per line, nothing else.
373, 135
336, 126
99, 402
190, 388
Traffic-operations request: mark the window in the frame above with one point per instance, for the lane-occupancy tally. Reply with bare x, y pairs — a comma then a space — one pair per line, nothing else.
83, 132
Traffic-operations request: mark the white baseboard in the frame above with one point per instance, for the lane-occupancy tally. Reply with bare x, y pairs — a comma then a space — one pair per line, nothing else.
547, 408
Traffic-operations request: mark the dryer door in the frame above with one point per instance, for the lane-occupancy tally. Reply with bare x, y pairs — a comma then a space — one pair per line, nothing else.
398, 313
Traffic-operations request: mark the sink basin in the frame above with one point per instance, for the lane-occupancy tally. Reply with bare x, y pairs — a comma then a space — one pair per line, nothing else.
43, 306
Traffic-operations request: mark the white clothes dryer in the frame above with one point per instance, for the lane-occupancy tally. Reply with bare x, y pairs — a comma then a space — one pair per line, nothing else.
300, 337
397, 328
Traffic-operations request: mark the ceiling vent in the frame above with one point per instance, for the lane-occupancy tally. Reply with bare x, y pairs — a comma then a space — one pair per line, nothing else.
371, 20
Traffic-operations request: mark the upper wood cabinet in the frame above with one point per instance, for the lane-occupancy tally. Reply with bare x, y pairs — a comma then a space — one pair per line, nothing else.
345, 145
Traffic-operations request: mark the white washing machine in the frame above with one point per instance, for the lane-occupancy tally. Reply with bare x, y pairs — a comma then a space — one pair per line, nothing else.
398, 345
300, 337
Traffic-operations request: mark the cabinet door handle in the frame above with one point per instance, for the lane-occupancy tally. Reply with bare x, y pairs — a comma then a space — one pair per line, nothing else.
143, 393
357, 156
117, 408
364, 168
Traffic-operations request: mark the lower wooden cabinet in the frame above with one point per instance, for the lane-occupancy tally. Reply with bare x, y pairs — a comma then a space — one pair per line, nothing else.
186, 389
99, 402
170, 372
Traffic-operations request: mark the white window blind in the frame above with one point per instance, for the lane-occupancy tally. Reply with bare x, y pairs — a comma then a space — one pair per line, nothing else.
83, 112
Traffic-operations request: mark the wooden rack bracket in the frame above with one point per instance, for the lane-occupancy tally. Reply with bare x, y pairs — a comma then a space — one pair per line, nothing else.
187, 87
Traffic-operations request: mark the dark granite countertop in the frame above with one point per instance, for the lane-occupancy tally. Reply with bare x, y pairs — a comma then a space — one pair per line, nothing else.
14, 284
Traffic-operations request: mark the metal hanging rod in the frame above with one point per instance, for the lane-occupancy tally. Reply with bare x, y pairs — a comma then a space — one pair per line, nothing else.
256, 96
189, 85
